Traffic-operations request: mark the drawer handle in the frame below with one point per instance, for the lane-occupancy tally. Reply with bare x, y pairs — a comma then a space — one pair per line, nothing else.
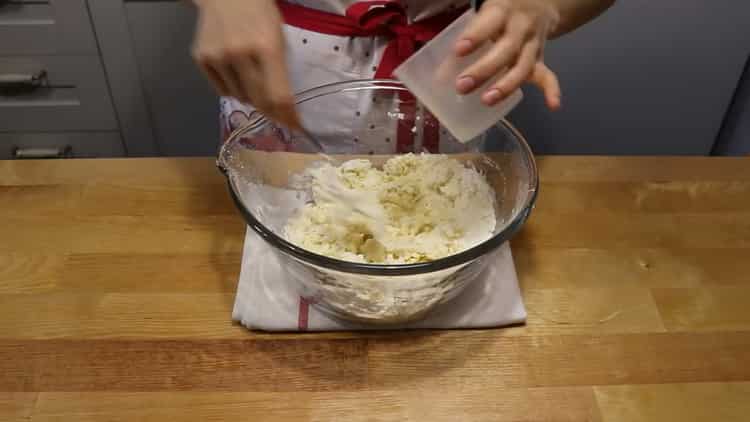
37, 153
19, 83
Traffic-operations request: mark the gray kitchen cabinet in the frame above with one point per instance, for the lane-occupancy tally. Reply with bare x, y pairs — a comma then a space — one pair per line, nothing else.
54, 96
60, 144
648, 77
45, 27
71, 96
182, 105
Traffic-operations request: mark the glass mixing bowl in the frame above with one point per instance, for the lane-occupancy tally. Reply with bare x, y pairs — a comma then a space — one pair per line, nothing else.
264, 164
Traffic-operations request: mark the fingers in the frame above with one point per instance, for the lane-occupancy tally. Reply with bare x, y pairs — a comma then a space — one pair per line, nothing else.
250, 75
500, 56
256, 77
239, 45
278, 90
220, 73
512, 80
215, 79
547, 81
487, 25
519, 33
230, 77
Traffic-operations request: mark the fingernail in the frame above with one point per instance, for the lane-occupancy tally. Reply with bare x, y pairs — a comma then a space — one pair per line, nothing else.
465, 84
492, 96
555, 102
463, 46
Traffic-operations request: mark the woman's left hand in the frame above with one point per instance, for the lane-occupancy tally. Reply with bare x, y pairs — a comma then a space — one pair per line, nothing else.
518, 30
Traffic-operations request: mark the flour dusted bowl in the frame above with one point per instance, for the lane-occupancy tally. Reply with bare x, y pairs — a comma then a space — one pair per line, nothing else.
374, 120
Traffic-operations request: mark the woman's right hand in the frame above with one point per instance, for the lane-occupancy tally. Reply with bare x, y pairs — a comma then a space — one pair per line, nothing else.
239, 45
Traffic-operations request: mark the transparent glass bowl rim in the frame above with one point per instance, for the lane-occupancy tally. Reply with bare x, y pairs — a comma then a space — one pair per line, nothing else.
326, 262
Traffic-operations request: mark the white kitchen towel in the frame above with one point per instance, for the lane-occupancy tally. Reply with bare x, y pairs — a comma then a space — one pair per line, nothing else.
267, 301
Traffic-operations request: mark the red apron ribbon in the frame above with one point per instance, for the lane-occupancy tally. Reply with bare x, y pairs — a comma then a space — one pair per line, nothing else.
371, 19
382, 19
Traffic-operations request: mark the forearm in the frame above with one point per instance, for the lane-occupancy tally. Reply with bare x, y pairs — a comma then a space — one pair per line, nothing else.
574, 13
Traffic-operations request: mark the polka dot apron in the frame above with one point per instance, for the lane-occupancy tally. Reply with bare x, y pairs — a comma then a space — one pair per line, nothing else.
316, 59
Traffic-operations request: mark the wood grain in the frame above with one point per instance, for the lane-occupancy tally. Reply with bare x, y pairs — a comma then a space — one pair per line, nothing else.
212, 406
125, 273
150, 273
552, 267
17, 407
185, 172
493, 403
606, 230
193, 313
705, 308
382, 363
117, 281
180, 365
647, 197
642, 169
123, 234
726, 402
109, 200
475, 404
455, 359
29, 272
118, 315
587, 311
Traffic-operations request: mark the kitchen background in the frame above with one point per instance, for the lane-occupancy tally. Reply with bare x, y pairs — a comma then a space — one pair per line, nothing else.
649, 77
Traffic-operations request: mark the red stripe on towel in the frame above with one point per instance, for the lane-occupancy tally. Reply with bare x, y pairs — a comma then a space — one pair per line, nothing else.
303, 314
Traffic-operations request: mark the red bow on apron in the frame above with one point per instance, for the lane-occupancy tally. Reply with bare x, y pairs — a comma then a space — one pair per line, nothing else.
384, 19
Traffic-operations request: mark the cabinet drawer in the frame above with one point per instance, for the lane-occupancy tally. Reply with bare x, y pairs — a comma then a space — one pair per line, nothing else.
40, 27
65, 144
70, 95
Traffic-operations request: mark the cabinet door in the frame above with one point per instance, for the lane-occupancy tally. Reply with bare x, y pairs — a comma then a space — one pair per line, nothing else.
37, 27
60, 93
184, 109
60, 144
648, 77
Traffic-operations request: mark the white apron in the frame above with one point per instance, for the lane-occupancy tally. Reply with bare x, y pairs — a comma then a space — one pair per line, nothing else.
316, 59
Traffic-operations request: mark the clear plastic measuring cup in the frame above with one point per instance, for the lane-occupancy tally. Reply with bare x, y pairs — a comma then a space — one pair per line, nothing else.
431, 74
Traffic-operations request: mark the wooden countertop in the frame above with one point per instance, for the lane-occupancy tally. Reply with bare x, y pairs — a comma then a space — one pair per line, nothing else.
117, 279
